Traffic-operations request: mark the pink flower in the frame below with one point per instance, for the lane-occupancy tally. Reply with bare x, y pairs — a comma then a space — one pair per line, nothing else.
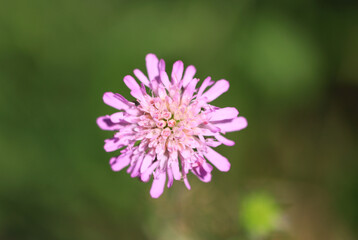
171, 128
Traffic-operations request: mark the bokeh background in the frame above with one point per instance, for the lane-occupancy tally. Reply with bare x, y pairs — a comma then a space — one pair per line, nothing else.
293, 70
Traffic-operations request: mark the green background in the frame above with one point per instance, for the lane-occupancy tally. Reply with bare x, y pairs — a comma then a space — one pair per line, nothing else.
292, 66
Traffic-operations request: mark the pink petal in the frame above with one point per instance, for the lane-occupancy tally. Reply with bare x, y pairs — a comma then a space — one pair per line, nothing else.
236, 124
186, 181
176, 170
165, 79
105, 123
206, 178
131, 119
223, 113
213, 143
154, 85
142, 146
115, 100
152, 66
140, 75
162, 161
215, 91
203, 172
161, 65
158, 185
219, 161
135, 171
131, 83
213, 128
177, 72
139, 161
112, 144
207, 167
145, 176
120, 162
146, 162
188, 75
189, 90
207, 82
224, 140
133, 86
131, 166
161, 92
170, 177
117, 117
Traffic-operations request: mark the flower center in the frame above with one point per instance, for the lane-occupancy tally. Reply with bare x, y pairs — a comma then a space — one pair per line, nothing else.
171, 123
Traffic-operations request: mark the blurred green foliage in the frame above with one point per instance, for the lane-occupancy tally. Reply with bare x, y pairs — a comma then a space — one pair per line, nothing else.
259, 214
292, 66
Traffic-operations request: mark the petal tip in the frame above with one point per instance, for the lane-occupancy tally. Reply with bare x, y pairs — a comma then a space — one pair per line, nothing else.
226, 168
155, 195
99, 122
243, 122
150, 56
106, 95
158, 185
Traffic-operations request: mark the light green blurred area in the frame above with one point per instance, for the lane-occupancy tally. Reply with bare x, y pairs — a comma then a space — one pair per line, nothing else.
259, 214
293, 72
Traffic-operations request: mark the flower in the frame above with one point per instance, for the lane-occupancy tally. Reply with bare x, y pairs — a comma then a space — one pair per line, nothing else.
170, 129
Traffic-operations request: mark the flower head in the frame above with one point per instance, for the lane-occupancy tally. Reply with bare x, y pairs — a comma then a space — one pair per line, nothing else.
170, 129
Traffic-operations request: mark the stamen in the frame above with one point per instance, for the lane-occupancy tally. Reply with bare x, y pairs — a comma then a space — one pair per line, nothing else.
166, 115
166, 132
171, 123
161, 124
